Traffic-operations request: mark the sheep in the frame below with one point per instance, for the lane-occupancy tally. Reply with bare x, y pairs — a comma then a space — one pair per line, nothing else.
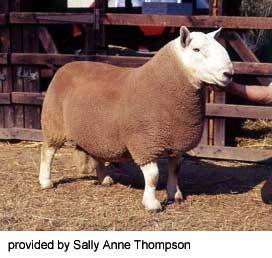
141, 114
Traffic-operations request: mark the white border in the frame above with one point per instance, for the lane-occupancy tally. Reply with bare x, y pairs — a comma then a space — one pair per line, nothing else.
203, 244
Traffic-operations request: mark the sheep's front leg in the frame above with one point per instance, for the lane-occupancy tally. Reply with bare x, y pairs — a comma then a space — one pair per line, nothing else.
151, 176
173, 191
47, 155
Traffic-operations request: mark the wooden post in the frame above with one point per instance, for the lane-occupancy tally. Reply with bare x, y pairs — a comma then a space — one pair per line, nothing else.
95, 33
90, 38
213, 12
217, 126
207, 137
205, 134
16, 47
219, 7
220, 97
219, 129
2, 113
31, 76
25, 78
99, 10
90, 45
6, 112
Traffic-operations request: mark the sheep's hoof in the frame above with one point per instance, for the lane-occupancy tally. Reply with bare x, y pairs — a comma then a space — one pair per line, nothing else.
177, 199
46, 184
107, 181
152, 206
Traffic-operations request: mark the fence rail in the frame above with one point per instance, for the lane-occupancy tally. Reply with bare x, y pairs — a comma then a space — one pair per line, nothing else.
50, 18
202, 21
248, 68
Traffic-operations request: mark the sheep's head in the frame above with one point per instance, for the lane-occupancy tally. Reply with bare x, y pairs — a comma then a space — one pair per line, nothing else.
207, 60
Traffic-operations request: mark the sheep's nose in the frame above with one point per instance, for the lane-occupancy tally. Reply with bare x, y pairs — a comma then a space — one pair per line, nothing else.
228, 75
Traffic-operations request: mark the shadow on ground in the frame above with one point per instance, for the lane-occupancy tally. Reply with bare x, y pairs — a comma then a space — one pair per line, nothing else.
69, 180
196, 177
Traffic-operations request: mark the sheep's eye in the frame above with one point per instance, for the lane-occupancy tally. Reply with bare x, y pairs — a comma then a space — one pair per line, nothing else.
196, 49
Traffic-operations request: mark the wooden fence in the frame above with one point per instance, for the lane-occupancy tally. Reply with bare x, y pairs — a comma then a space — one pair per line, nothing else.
22, 66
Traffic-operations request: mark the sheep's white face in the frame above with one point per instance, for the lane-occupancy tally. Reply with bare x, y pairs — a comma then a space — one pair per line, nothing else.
208, 61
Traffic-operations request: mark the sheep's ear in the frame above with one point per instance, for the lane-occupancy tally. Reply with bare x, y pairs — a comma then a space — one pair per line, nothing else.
184, 36
215, 34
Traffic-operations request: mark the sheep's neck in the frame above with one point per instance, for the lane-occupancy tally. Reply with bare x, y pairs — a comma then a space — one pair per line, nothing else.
164, 85
166, 73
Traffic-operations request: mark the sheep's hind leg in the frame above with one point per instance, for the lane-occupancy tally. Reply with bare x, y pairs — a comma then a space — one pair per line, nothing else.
151, 176
173, 191
81, 160
47, 155
85, 163
102, 174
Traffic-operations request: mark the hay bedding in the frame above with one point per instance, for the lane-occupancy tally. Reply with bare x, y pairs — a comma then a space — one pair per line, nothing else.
220, 196
256, 134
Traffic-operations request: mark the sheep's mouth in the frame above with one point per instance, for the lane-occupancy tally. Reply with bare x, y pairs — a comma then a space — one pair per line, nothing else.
221, 84
217, 87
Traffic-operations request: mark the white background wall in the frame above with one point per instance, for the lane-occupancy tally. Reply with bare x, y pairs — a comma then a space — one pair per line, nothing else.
79, 3
120, 3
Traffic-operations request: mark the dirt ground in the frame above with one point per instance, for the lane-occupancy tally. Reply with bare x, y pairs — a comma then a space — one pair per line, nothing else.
219, 196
